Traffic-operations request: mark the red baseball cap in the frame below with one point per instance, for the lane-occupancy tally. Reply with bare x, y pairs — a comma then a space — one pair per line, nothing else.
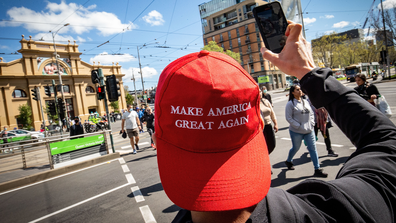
211, 151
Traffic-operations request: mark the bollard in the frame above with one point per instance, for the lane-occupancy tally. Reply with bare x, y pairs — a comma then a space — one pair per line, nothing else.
23, 158
49, 153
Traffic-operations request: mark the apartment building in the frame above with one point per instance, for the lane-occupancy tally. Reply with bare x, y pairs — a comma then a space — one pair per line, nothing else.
230, 23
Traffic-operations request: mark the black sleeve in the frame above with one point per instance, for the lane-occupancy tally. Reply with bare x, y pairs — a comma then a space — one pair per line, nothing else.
72, 132
366, 184
372, 89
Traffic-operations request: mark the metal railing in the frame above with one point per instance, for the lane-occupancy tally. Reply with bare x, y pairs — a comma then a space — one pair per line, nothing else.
22, 148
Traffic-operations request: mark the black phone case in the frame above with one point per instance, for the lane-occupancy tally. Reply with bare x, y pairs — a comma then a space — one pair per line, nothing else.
259, 8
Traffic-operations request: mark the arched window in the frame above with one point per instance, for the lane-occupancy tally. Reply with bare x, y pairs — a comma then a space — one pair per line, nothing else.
66, 89
18, 93
89, 89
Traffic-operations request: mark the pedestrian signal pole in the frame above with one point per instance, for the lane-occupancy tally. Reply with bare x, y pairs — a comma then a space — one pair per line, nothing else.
98, 78
36, 96
56, 107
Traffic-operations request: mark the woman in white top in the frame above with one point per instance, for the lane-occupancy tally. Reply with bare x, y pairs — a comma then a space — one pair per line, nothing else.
268, 114
302, 121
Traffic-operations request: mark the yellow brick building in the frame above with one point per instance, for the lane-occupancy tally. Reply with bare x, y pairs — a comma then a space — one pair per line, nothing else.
37, 68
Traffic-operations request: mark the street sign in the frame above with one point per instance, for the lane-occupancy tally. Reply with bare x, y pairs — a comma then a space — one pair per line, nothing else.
263, 79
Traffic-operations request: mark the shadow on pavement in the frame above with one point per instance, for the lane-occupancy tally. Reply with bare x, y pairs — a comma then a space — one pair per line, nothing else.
333, 162
173, 208
148, 190
284, 128
296, 161
282, 180
141, 158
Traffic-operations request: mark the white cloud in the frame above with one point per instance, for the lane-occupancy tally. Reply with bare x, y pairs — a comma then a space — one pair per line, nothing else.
327, 17
3, 47
340, 24
82, 19
107, 59
154, 18
148, 72
356, 23
329, 32
47, 37
388, 4
309, 20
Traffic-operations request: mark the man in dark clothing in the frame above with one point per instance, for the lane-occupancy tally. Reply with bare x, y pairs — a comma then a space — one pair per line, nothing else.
77, 128
363, 191
149, 119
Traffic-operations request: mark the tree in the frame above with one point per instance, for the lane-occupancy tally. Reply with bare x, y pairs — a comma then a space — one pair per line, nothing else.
129, 99
53, 118
115, 105
25, 116
212, 46
324, 49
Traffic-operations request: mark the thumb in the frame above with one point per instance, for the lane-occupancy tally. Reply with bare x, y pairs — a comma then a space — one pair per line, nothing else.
269, 55
294, 32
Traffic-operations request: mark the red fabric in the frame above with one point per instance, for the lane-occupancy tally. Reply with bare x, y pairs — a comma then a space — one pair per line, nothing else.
211, 153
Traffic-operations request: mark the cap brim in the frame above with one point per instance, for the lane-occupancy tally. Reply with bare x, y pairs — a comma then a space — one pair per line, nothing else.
229, 180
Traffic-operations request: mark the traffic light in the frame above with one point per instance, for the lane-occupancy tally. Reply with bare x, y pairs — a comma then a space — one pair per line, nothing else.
61, 107
47, 90
34, 94
383, 59
95, 76
52, 108
112, 88
148, 100
100, 92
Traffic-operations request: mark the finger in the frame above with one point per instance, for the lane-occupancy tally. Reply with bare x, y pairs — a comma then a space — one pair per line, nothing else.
294, 32
268, 55
291, 24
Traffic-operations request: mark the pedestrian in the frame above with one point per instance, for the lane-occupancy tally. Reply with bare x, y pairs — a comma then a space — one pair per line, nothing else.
4, 137
77, 128
131, 122
323, 123
141, 114
149, 119
268, 115
266, 95
301, 127
366, 90
217, 172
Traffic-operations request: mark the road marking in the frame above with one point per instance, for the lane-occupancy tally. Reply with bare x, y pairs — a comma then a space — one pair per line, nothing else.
122, 161
130, 178
137, 194
79, 203
147, 215
353, 148
286, 139
125, 168
332, 145
139, 144
19, 188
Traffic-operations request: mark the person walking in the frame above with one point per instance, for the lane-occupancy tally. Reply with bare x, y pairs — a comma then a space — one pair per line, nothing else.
268, 115
4, 136
131, 122
149, 119
323, 123
266, 95
366, 90
302, 121
77, 128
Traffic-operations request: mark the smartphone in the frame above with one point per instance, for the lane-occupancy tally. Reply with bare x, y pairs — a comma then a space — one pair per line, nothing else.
272, 24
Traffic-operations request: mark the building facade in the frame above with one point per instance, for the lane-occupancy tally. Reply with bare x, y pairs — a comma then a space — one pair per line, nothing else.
230, 23
37, 68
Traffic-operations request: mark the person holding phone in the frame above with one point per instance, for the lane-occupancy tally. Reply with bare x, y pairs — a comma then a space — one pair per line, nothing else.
215, 176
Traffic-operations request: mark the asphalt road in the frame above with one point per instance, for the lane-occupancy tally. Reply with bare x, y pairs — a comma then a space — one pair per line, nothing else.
129, 189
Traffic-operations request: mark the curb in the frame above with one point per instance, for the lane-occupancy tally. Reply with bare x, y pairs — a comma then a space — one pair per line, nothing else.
55, 172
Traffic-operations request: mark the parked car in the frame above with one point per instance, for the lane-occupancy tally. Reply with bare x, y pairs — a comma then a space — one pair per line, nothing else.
339, 76
26, 133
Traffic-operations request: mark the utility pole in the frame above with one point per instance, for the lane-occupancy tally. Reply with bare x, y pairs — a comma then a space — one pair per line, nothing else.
41, 108
56, 106
141, 74
102, 83
134, 86
386, 41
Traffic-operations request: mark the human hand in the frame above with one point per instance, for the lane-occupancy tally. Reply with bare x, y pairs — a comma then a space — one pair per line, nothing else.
123, 131
296, 57
276, 128
373, 96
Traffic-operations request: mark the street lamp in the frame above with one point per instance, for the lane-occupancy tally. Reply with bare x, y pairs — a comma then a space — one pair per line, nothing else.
60, 78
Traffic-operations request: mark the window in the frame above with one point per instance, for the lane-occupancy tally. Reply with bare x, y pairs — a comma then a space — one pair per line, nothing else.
239, 41
66, 89
237, 30
246, 29
206, 41
19, 94
89, 89
222, 45
230, 44
229, 35
213, 38
262, 65
221, 37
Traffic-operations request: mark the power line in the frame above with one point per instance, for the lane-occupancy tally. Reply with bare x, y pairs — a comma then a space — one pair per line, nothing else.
126, 13
170, 21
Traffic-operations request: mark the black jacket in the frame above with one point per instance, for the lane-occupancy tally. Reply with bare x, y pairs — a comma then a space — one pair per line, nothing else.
76, 130
365, 187
149, 119
366, 92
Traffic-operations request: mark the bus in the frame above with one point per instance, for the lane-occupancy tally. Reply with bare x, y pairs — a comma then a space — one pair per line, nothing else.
362, 68
351, 72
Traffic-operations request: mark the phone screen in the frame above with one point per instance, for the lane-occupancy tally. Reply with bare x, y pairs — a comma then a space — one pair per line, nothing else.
272, 24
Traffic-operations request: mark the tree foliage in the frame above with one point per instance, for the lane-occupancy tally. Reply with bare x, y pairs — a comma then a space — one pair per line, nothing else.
25, 115
129, 99
115, 105
212, 46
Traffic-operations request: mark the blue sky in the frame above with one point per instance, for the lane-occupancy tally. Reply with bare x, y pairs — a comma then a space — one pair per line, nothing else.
169, 29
